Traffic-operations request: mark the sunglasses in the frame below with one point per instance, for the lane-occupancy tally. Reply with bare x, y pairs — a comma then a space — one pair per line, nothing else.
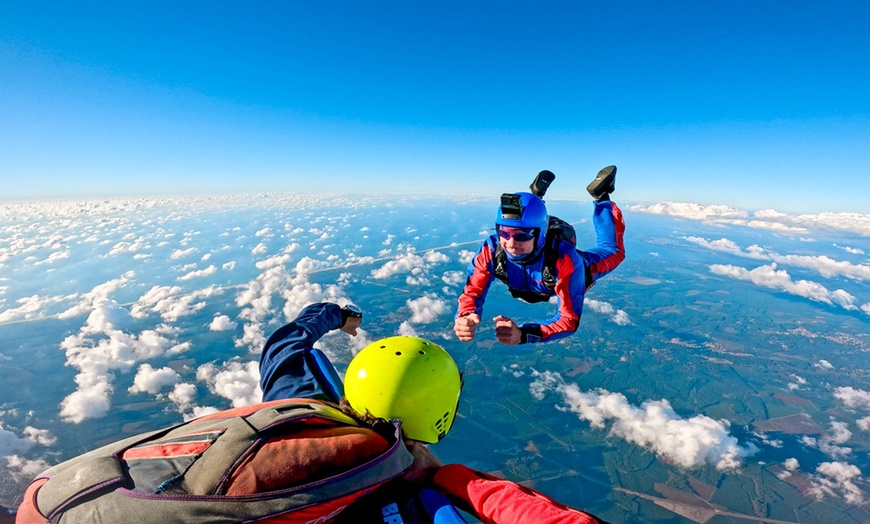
518, 234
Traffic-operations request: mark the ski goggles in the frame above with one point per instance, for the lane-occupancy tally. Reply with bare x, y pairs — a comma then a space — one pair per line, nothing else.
519, 234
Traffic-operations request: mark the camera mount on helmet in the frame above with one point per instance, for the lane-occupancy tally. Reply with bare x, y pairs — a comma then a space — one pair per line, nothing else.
511, 206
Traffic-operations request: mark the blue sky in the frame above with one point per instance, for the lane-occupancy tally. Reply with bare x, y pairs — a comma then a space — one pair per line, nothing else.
751, 104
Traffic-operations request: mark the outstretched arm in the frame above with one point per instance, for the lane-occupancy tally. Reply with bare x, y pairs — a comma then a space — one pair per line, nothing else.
479, 275
478, 278
501, 501
290, 367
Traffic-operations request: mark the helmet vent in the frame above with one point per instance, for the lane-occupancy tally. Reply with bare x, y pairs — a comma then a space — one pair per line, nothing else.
398, 353
421, 352
441, 422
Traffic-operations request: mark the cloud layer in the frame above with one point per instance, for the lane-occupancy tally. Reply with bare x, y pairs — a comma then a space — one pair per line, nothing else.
654, 425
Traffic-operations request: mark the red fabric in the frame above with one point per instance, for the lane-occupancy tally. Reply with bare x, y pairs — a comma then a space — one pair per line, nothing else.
308, 455
166, 450
495, 500
476, 283
27, 512
568, 319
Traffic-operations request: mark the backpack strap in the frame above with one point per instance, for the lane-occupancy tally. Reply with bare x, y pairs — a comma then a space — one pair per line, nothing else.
499, 263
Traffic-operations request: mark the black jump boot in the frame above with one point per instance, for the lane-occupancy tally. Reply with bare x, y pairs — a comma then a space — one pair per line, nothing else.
541, 183
604, 184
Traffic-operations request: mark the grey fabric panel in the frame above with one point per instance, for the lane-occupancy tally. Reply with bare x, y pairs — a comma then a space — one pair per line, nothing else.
72, 481
205, 474
272, 415
99, 452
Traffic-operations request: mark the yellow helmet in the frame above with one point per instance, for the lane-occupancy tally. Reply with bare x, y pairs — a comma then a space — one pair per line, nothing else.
408, 378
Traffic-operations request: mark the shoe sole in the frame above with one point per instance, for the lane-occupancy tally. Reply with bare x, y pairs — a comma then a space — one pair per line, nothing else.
604, 180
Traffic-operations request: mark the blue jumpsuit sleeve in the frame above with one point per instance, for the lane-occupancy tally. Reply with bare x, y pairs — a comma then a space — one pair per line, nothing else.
290, 367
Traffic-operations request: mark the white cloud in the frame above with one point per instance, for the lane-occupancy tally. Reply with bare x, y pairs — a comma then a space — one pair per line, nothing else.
10, 443
30, 307
183, 396
466, 256
764, 219
617, 316
826, 266
295, 288
210, 270
99, 349
154, 381
426, 309
823, 364
435, 257
181, 253
54, 257
854, 398
837, 479
724, 245
798, 381
90, 400
791, 465
42, 437
101, 292
406, 330
852, 250
687, 443
221, 323
453, 278
24, 469
127, 247
830, 443
770, 277
408, 263
239, 382
259, 249
170, 302
691, 211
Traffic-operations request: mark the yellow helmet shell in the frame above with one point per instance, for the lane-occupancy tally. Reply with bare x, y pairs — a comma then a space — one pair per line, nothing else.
407, 378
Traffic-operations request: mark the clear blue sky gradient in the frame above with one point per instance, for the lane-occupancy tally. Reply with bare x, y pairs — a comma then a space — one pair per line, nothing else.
755, 104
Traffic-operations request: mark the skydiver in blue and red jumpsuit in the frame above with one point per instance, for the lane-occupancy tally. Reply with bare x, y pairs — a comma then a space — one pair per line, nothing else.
521, 226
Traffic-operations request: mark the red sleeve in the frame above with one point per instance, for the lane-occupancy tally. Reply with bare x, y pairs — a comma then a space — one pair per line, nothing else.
570, 288
499, 501
478, 278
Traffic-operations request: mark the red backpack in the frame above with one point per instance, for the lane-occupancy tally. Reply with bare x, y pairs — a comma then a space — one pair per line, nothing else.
287, 461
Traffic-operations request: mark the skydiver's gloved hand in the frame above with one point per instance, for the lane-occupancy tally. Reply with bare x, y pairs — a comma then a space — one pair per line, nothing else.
351, 317
425, 463
507, 331
464, 327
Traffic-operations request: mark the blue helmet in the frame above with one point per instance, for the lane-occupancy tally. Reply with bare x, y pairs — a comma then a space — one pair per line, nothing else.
524, 210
